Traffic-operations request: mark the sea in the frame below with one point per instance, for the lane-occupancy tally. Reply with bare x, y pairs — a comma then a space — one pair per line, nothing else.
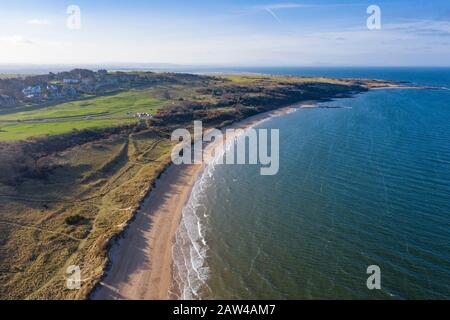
363, 181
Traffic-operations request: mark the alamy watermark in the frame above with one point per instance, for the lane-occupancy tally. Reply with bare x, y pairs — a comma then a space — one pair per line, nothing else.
374, 280
374, 20
236, 146
73, 21
73, 280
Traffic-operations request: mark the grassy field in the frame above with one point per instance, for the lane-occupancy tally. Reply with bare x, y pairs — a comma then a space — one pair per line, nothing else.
99, 112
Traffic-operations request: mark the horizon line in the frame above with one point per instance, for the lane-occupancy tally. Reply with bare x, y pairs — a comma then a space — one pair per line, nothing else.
180, 65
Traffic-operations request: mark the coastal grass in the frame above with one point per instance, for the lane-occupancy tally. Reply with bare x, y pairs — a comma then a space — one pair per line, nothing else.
95, 187
250, 79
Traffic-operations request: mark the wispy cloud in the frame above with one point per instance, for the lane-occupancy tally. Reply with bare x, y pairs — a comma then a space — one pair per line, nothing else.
272, 8
289, 5
422, 27
17, 39
39, 22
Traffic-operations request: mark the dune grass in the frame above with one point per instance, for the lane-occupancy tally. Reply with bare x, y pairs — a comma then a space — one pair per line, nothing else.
251, 79
101, 184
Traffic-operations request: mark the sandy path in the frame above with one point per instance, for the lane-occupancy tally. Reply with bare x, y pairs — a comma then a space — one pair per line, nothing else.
141, 261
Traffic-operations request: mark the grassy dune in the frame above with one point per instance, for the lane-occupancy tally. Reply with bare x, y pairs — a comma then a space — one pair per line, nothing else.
103, 182
249, 79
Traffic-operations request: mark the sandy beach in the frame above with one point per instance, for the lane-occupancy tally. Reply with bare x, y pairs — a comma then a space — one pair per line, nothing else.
141, 261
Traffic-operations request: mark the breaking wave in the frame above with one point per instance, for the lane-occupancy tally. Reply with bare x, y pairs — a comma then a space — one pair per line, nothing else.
189, 252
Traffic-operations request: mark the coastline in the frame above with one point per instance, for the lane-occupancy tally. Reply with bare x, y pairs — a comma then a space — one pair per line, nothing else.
141, 262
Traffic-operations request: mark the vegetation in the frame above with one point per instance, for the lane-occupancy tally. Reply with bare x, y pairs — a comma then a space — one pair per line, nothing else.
268, 80
11, 76
68, 217
75, 219
94, 113
67, 194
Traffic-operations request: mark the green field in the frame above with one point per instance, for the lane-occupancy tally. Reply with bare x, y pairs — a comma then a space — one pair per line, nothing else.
98, 112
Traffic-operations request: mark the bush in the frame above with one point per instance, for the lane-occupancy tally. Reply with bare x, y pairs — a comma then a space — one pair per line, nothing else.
76, 219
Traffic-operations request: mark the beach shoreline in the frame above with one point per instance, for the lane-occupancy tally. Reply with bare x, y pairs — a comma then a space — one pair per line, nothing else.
141, 262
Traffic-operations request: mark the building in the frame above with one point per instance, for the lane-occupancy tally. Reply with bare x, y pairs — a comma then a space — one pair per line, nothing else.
32, 91
52, 88
143, 115
71, 81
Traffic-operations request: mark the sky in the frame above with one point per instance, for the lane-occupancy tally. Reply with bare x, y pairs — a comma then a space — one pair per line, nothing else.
228, 33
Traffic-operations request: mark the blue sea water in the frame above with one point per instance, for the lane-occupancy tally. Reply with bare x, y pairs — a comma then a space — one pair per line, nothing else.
368, 184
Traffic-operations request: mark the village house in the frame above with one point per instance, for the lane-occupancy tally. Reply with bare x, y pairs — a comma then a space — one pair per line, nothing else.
143, 115
32, 91
52, 88
71, 81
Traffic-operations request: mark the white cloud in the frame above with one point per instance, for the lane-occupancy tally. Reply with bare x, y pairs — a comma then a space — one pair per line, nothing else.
39, 22
282, 6
422, 27
17, 39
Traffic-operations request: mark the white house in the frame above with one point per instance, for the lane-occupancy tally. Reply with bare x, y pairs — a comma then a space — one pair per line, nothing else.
31, 91
71, 81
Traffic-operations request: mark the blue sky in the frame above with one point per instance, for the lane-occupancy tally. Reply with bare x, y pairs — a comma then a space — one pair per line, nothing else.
276, 33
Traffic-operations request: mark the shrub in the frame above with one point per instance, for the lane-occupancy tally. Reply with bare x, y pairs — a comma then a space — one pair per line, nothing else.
76, 219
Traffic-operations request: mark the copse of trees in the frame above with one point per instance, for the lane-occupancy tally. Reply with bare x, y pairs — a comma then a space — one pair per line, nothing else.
27, 159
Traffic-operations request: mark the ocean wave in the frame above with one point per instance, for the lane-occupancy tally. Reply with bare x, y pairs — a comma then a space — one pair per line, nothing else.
189, 252
190, 249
